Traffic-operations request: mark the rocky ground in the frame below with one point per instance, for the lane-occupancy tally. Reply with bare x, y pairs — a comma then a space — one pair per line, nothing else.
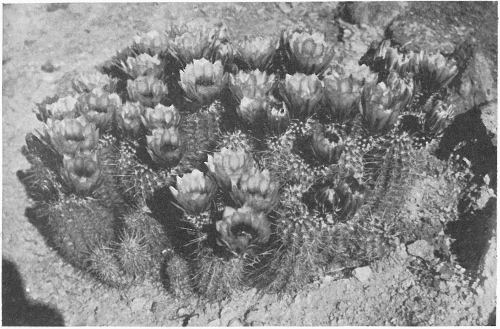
44, 45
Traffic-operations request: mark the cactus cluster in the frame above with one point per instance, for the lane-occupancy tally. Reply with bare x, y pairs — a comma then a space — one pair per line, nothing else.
216, 164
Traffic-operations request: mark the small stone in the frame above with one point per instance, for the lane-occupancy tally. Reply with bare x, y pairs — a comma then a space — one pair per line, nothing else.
235, 322
48, 67
182, 311
421, 249
362, 273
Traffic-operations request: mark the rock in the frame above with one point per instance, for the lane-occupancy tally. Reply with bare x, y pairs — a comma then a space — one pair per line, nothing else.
183, 312
362, 273
418, 32
48, 67
422, 249
378, 14
489, 119
235, 322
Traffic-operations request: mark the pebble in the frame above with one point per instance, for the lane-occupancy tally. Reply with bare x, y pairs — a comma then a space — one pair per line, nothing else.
48, 67
422, 249
362, 273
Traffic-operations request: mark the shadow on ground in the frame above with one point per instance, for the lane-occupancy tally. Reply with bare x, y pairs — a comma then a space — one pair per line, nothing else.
17, 309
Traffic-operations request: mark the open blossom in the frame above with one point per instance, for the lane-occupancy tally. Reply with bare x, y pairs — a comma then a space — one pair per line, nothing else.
64, 107
342, 96
254, 84
194, 192
81, 172
161, 117
70, 135
243, 228
147, 90
256, 190
164, 146
129, 117
311, 52
152, 41
143, 64
86, 82
257, 52
327, 144
229, 165
304, 92
341, 199
203, 81
435, 71
99, 106
380, 107
278, 116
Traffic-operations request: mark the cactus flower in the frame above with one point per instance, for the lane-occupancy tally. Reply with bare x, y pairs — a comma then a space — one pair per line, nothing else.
86, 82
152, 41
64, 107
129, 117
257, 52
193, 45
304, 93
435, 71
81, 172
342, 96
146, 89
229, 165
164, 146
438, 118
241, 229
256, 190
380, 108
341, 200
311, 52
278, 116
203, 81
99, 107
161, 117
194, 192
70, 135
254, 84
143, 64
327, 144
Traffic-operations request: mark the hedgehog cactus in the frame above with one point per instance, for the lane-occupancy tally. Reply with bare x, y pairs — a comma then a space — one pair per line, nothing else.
221, 163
